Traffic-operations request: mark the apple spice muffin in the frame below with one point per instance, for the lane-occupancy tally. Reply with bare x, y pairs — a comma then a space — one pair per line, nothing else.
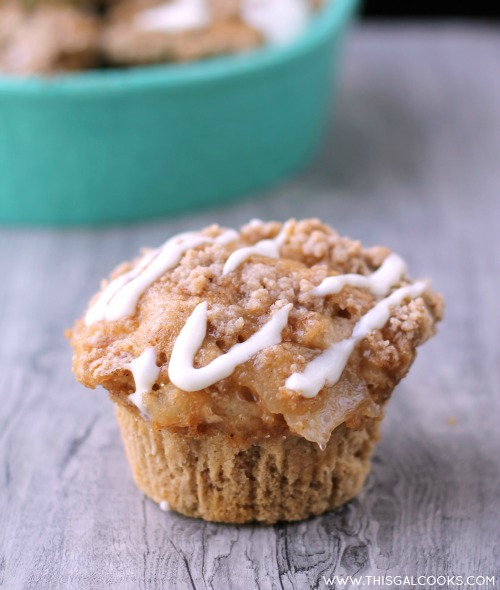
147, 31
156, 31
250, 369
47, 39
55, 36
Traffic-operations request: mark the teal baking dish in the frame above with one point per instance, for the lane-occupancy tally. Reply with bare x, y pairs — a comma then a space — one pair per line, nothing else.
120, 145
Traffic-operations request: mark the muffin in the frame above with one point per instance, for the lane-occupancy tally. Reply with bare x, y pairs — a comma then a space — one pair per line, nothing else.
47, 38
250, 369
154, 31
56, 36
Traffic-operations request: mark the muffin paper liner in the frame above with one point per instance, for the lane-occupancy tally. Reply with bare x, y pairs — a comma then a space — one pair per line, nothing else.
280, 478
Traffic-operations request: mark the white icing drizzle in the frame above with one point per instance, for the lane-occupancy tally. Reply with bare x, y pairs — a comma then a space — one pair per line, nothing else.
279, 21
255, 222
181, 371
268, 248
379, 282
98, 311
145, 374
119, 299
327, 367
175, 16
164, 505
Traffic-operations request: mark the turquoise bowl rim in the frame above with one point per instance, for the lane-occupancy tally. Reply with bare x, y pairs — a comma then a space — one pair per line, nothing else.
332, 18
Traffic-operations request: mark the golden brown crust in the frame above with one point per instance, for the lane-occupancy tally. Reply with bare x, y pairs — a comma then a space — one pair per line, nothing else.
48, 39
55, 36
253, 401
125, 43
281, 478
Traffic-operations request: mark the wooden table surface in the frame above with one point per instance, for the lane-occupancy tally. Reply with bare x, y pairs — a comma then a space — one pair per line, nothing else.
411, 161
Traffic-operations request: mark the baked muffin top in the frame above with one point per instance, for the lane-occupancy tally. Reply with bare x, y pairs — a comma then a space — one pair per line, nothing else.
275, 329
50, 37
152, 31
47, 38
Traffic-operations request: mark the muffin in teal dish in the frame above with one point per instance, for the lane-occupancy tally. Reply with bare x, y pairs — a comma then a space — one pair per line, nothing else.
122, 144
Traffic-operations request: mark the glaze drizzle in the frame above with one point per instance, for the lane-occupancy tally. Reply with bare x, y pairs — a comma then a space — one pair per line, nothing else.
181, 370
327, 367
175, 16
145, 374
268, 248
379, 282
119, 299
279, 21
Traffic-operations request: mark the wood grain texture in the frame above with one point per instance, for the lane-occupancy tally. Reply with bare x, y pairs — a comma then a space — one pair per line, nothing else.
412, 161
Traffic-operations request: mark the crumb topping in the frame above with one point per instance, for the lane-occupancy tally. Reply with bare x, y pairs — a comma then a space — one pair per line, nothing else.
253, 401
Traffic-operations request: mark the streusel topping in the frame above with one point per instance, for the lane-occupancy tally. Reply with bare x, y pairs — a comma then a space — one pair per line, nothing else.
248, 332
